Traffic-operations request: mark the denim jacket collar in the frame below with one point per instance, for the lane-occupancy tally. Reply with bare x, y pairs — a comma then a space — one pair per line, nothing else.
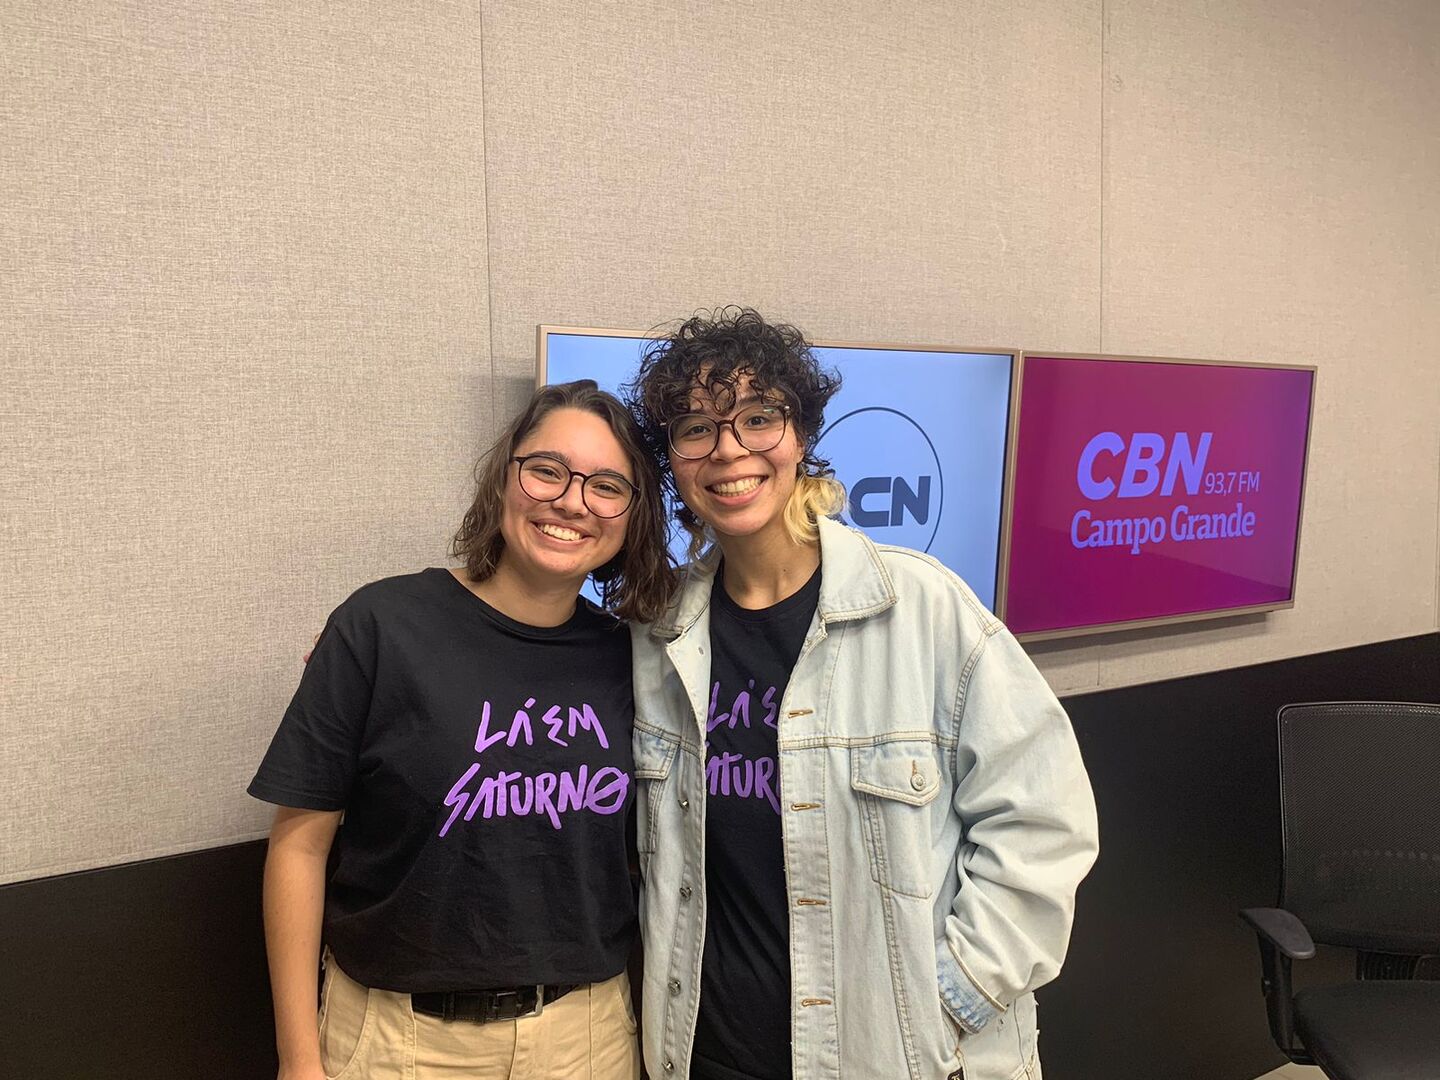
854, 584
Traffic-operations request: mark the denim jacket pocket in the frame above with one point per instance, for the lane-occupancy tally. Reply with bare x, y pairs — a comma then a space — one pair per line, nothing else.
895, 783
654, 758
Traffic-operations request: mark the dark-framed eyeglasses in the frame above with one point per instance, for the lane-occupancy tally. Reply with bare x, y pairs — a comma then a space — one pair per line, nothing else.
544, 478
756, 427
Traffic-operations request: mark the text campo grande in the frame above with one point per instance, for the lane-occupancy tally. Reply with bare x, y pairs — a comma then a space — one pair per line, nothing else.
1181, 526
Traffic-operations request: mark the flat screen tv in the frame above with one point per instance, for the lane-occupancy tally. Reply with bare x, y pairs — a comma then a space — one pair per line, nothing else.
916, 434
1147, 491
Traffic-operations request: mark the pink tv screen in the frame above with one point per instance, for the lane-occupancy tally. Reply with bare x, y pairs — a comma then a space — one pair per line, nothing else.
1148, 491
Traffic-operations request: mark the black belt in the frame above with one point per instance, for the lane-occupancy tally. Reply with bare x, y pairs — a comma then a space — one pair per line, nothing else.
485, 1006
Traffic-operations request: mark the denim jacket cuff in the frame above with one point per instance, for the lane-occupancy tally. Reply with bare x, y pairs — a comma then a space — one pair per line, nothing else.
969, 1005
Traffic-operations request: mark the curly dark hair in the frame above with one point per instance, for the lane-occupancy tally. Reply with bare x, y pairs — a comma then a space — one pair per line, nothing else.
635, 584
722, 345
711, 351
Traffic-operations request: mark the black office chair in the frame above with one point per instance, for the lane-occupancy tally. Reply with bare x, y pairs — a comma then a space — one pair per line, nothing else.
1360, 818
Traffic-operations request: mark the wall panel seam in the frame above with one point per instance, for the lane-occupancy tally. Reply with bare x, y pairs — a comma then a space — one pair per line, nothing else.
1104, 158
485, 206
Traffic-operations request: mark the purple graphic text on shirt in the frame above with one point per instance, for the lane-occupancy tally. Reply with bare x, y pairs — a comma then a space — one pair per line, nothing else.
739, 714
729, 774
517, 794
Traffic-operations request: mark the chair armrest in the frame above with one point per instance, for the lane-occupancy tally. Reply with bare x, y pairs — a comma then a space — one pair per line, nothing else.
1283, 930
1283, 938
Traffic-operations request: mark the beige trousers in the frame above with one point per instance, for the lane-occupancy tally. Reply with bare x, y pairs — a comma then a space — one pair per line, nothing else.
365, 1034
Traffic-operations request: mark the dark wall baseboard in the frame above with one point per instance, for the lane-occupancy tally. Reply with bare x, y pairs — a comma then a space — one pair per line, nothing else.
1162, 980
150, 971
156, 970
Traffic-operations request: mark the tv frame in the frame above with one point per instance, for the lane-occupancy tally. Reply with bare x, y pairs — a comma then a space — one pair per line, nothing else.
590, 331
1007, 460
1008, 500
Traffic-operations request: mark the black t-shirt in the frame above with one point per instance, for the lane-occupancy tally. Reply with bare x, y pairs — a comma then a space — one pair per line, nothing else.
486, 774
743, 1030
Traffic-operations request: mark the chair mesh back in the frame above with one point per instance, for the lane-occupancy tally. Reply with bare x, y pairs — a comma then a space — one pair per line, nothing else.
1360, 804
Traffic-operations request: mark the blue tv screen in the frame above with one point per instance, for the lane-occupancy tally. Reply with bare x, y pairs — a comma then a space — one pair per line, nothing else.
916, 435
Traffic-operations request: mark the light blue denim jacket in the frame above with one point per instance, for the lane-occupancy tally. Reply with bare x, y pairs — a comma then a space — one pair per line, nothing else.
936, 817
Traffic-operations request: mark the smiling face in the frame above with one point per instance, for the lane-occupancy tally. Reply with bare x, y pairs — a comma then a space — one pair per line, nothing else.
739, 492
561, 538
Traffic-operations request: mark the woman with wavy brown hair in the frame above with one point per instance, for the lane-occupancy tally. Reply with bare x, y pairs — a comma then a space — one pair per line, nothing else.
454, 779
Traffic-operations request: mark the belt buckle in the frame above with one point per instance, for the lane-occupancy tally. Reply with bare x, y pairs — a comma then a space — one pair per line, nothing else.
518, 1015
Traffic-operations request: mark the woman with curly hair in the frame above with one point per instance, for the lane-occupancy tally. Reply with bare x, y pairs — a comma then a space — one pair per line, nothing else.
862, 813
459, 754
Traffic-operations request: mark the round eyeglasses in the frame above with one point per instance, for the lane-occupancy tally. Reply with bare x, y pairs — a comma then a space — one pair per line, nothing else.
545, 478
756, 428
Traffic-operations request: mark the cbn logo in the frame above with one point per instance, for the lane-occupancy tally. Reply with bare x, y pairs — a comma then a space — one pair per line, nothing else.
1144, 454
895, 490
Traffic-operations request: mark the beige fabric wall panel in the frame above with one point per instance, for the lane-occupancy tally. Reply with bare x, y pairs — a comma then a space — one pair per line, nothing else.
246, 363
922, 172
914, 172
1270, 177
253, 258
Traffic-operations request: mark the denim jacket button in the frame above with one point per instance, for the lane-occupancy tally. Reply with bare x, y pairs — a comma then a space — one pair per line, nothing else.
674, 987
684, 804
918, 781
669, 1066
684, 892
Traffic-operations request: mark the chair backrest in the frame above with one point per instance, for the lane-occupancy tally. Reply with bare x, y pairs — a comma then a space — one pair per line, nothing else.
1360, 816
